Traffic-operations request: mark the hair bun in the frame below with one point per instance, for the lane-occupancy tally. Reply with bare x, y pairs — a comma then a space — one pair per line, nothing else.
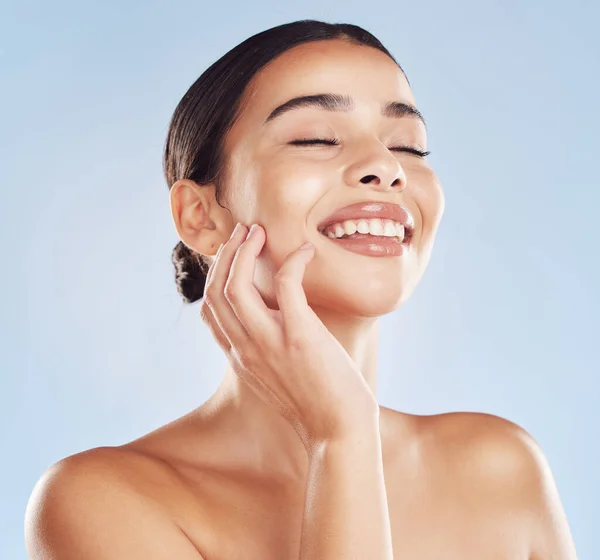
190, 272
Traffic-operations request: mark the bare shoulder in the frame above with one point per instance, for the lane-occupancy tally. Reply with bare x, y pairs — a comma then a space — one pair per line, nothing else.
510, 471
487, 446
477, 431
479, 443
97, 505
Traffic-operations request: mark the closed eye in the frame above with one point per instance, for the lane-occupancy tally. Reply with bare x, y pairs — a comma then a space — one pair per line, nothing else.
335, 142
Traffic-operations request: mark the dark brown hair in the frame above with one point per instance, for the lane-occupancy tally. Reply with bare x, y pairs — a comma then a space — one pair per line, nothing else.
207, 111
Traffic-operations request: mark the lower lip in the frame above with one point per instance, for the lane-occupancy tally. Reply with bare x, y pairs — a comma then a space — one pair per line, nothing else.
372, 245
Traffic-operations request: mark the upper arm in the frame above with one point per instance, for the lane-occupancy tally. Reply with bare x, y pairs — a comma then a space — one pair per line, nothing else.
551, 537
516, 472
82, 509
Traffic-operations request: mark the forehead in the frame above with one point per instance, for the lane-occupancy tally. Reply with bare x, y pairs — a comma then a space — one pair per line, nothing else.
334, 66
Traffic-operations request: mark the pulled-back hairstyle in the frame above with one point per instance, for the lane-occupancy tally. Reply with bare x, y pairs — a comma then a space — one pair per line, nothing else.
195, 138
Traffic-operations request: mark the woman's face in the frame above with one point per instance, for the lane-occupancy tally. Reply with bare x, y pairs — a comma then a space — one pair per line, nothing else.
289, 189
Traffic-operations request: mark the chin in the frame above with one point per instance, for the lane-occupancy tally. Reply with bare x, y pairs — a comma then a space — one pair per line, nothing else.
357, 299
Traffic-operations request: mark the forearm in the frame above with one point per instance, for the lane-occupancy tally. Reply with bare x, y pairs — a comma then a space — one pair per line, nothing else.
346, 513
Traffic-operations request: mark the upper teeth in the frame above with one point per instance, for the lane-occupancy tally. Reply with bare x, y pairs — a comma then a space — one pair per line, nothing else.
376, 226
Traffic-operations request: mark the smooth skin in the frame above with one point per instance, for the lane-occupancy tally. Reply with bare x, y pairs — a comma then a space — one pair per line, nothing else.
293, 362
288, 459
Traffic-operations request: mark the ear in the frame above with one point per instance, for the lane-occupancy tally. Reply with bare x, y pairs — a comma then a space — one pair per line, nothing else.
201, 223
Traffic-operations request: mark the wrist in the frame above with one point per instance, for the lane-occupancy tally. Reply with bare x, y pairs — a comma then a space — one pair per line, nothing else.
362, 436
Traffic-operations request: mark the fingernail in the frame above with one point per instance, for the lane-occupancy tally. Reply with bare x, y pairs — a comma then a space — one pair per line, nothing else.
252, 230
236, 229
307, 246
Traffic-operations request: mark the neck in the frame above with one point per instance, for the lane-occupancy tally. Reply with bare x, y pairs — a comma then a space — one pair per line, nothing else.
264, 441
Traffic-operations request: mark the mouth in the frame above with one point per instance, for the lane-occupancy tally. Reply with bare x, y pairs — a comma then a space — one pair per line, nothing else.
370, 221
405, 237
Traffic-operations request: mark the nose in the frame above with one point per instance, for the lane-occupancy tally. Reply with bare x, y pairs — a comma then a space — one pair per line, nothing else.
379, 168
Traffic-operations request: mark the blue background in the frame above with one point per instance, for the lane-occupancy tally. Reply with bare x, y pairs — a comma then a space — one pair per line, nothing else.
96, 346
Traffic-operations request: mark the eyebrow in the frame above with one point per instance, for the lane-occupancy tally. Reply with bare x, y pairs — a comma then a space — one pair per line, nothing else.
336, 102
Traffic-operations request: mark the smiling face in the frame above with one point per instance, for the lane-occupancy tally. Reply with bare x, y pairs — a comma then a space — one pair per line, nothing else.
289, 189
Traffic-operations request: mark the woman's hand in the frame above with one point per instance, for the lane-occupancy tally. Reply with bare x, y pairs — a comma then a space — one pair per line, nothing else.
287, 356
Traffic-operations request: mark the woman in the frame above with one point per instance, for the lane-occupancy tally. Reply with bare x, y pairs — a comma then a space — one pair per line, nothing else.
309, 131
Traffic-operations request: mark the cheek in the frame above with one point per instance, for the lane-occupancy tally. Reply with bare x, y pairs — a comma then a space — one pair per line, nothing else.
285, 204
281, 199
431, 201
290, 195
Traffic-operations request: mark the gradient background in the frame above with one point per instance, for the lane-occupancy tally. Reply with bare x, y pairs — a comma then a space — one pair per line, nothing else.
96, 346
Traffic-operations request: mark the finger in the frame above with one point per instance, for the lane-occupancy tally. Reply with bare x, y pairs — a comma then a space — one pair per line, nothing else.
214, 289
207, 316
289, 291
212, 266
245, 300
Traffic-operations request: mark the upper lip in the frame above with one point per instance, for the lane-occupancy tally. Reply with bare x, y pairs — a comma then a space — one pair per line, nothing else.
369, 209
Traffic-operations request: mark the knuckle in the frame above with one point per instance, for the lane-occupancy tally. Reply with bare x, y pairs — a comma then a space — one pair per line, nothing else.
208, 302
283, 277
295, 343
210, 294
247, 359
231, 291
